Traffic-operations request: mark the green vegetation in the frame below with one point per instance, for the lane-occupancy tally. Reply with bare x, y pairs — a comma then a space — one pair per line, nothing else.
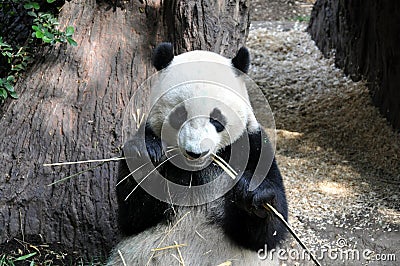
33, 250
15, 57
9, 261
302, 18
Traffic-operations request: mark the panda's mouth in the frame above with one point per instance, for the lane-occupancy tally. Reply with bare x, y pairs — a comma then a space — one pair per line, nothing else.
200, 152
196, 156
196, 160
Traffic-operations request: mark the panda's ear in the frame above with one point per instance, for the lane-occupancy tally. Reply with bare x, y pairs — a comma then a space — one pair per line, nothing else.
162, 55
242, 60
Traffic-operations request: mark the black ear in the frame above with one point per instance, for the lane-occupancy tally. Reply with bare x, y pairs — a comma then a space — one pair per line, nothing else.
242, 60
162, 55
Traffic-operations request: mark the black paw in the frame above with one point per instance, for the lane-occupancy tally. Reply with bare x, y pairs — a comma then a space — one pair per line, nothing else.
134, 148
254, 201
143, 150
140, 159
259, 200
135, 153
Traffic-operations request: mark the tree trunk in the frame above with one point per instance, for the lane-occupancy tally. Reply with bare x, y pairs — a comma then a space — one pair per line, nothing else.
71, 105
366, 37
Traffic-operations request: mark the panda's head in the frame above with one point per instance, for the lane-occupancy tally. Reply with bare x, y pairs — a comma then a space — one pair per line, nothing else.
199, 101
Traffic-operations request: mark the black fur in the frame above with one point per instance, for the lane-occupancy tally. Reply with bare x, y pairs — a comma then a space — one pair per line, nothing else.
178, 117
246, 221
162, 55
242, 60
243, 217
140, 211
218, 120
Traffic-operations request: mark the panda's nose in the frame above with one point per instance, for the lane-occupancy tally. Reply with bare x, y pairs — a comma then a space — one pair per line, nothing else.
196, 155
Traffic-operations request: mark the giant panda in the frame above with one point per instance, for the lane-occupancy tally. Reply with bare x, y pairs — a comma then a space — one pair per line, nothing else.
231, 227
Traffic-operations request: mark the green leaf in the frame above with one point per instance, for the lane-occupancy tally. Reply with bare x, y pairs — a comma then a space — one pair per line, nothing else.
28, 5
32, 14
35, 5
35, 28
24, 257
46, 39
10, 78
3, 93
31, 5
72, 41
9, 87
69, 31
48, 34
14, 95
17, 68
39, 34
50, 1
6, 48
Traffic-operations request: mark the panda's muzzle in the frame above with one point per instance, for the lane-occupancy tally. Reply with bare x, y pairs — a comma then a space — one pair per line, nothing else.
193, 155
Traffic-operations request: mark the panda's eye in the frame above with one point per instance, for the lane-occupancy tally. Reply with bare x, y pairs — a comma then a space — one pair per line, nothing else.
178, 117
218, 126
218, 120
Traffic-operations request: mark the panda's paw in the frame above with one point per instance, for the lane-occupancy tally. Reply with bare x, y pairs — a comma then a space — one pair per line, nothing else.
254, 202
259, 200
134, 148
141, 151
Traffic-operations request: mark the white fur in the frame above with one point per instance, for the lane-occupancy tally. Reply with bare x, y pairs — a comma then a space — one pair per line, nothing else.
199, 135
205, 244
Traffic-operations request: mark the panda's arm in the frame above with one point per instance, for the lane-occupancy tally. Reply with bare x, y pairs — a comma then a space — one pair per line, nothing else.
140, 210
245, 220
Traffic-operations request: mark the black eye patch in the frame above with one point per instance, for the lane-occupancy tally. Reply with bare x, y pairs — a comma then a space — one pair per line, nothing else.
178, 117
218, 120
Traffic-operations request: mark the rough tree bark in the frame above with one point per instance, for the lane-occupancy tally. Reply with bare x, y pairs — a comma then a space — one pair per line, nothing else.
71, 107
366, 37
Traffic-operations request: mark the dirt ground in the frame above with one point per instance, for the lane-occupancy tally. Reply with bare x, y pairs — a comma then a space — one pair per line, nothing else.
338, 156
281, 10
